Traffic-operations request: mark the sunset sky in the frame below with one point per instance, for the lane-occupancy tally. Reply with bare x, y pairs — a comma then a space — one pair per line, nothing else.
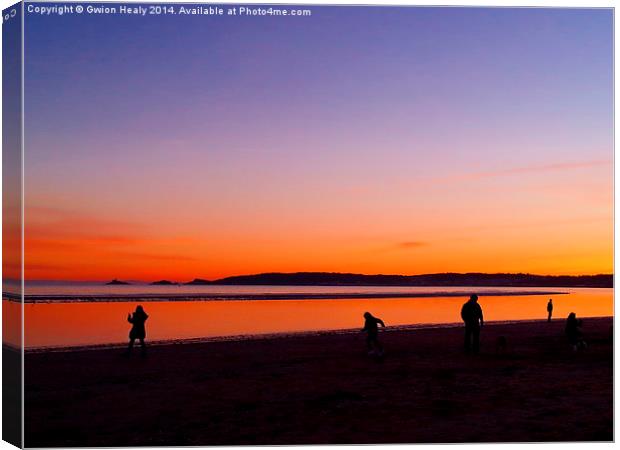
369, 140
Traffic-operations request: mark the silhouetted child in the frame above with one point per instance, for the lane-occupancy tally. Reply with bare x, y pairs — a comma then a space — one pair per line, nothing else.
573, 332
549, 310
138, 330
372, 340
471, 313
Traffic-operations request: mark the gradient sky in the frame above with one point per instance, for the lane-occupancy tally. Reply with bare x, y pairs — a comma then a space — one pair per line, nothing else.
367, 139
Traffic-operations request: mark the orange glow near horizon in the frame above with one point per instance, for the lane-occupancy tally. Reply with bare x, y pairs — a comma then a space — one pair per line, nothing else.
339, 235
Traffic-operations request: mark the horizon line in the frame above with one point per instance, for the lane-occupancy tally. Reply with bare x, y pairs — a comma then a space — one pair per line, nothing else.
303, 272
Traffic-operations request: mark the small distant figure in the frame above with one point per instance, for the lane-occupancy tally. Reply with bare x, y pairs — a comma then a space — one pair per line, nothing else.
138, 330
372, 340
471, 313
574, 334
549, 310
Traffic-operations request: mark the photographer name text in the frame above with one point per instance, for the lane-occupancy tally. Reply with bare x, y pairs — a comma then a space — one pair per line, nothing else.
163, 9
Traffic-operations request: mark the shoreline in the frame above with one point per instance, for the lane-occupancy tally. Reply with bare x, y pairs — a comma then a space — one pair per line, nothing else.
168, 297
275, 336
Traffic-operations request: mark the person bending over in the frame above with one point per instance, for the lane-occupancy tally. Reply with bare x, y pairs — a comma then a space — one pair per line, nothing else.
372, 339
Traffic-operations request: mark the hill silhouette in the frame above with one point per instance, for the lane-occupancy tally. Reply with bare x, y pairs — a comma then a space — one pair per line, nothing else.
164, 283
437, 279
116, 282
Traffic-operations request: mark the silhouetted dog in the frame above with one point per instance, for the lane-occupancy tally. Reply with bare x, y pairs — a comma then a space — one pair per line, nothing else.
501, 345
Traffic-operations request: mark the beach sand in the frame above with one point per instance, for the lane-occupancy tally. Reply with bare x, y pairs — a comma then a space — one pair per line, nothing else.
325, 389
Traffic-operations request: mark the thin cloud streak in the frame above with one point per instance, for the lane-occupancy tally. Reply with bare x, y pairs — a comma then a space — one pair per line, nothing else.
423, 182
411, 244
528, 170
544, 168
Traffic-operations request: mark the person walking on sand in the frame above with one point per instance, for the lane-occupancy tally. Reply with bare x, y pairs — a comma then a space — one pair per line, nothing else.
138, 330
372, 340
549, 310
471, 313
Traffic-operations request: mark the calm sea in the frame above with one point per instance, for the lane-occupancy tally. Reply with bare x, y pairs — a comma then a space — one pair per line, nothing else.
60, 315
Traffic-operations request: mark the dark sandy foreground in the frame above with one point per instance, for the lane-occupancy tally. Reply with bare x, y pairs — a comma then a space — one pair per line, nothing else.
325, 389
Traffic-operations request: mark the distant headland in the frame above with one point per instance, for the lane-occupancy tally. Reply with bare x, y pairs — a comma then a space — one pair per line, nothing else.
164, 283
437, 279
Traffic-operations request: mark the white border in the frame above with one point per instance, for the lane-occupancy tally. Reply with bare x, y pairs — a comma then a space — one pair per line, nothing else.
480, 3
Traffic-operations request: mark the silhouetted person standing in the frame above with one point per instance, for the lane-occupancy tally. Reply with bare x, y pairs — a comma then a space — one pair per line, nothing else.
549, 310
471, 313
370, 326
138, 330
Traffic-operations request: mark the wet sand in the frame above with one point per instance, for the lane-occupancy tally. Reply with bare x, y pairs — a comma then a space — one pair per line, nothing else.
325, 389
